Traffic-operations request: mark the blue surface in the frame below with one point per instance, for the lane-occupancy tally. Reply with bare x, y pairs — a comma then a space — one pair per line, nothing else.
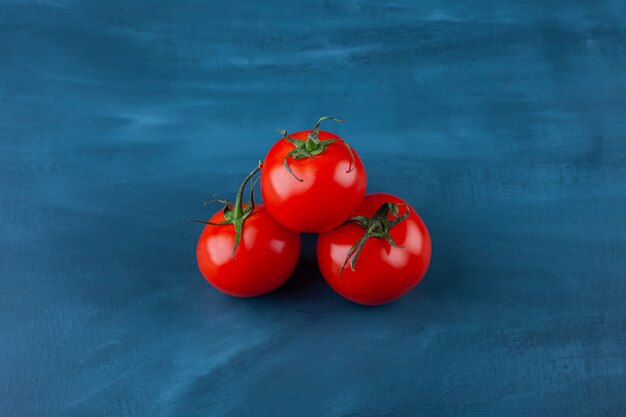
501, 122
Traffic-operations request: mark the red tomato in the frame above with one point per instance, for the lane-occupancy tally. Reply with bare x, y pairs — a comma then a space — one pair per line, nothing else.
379, 272
312, 180
261, 261
264, 260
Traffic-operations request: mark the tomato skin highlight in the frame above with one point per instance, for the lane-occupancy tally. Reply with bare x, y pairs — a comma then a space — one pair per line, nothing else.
265, 259
327, 195
382, 273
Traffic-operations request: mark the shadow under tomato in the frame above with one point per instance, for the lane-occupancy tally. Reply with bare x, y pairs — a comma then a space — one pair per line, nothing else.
306, 281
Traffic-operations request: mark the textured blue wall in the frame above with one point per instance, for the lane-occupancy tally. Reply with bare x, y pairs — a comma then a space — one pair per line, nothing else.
501, 122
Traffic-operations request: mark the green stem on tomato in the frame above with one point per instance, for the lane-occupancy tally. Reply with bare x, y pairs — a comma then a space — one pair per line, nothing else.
235, 214
312, 146
378, 226
238, 207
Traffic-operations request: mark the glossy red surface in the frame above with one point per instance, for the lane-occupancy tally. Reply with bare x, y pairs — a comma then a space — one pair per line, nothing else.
326, 196
264, 260
382, 272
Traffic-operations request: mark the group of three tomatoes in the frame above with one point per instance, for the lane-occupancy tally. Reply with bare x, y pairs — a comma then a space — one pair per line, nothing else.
371, 249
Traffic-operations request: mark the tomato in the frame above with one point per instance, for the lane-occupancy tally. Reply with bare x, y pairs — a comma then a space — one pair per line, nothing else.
244, 252
379, 255
265, 259
312, 180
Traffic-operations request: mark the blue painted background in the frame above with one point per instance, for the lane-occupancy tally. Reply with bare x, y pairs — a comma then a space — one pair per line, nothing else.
501, 122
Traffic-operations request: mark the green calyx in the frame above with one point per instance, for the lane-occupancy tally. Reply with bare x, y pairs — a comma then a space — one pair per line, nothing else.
377, 226
312, 146
235, 213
